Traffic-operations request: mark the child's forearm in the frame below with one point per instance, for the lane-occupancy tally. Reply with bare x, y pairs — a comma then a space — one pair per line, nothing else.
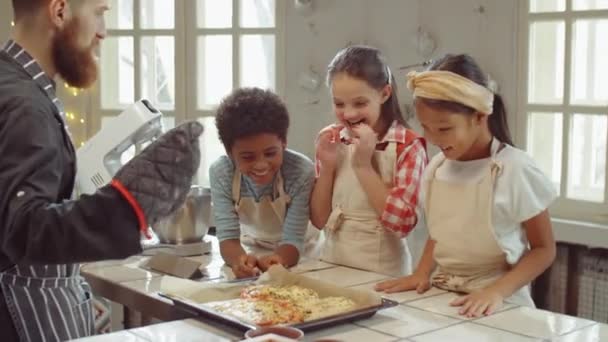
320, 199
426, 265
534, 262
231, 250
288, 253
375, 188
531, 265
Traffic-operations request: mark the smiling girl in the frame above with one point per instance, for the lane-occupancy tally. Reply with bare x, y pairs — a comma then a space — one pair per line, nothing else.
369, 166
485, 201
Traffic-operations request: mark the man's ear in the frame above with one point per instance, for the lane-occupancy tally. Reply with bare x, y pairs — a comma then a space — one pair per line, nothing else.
59, 12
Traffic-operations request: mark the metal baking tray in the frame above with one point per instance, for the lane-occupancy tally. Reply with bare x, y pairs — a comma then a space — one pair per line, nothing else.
204, 313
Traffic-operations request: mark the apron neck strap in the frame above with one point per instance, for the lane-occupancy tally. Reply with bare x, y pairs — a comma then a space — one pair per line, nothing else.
236, 186
496, 147
279, 187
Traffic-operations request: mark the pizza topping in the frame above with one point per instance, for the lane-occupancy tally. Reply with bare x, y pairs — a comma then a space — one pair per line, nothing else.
272, 305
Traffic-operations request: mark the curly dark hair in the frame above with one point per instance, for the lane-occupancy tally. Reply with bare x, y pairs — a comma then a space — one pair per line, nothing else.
251, 111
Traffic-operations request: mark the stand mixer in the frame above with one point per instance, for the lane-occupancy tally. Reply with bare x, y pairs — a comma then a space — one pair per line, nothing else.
102, 156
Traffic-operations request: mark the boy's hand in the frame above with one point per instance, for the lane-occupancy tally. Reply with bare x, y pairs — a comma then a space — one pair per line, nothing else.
415, 281
365, 141
327, 146
246, 266
476, 304
266, 261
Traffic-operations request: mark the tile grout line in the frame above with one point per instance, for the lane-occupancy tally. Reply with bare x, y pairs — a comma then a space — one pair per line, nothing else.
475, 321
139, 336
458, 321
522, 334
593, 323
374, 330
436, 313
436, 329
430, 296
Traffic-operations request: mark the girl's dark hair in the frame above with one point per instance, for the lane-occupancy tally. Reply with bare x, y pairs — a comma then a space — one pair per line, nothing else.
465, 66
368, 64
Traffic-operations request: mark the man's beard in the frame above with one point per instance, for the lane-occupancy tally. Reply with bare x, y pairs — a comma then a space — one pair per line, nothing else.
75, 64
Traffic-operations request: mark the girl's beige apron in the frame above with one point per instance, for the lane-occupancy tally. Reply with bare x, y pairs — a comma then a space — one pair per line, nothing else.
354, 235
459, 219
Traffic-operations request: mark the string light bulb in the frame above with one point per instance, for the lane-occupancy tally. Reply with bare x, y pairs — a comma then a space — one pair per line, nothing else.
73, 116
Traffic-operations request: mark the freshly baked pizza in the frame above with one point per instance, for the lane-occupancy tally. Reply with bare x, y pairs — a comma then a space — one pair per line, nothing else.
273, 305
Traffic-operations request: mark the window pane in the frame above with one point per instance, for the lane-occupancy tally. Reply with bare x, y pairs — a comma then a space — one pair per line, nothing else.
211, 149
587, 167
157, 14
158, 71
214, 13
258, 61
214, 68
589, 62
120, 15
117, 78
547, 5
589, 4
257, 13
545, 136
546, 62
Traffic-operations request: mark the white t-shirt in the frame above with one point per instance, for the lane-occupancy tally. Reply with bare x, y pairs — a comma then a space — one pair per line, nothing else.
521, 192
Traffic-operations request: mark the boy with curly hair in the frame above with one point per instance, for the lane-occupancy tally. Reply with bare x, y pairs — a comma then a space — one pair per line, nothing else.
260, 190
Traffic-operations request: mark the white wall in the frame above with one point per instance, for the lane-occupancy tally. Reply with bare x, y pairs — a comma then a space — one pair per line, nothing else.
313, 41
458, 27
490, 37
389, 25
6, 16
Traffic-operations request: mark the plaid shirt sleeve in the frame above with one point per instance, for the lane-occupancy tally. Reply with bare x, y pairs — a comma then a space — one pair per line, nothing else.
400, 210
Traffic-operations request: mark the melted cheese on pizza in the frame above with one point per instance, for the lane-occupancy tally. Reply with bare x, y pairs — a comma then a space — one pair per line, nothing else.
271, 305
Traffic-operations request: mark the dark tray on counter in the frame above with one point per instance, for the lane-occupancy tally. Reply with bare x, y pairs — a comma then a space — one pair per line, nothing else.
208, 314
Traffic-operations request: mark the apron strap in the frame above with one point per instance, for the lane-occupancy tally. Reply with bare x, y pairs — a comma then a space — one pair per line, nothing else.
32, 282
236, 187
279, 187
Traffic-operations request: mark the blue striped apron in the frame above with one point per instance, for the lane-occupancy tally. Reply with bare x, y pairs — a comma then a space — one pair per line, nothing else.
46, 302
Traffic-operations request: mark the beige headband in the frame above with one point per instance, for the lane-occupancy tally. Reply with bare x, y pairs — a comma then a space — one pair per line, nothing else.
448, 86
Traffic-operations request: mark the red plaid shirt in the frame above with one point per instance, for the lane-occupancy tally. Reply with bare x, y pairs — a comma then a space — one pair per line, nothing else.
400, 210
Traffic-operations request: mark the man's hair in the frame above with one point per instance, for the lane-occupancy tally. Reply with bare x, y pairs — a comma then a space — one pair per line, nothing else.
250, 111
24, 8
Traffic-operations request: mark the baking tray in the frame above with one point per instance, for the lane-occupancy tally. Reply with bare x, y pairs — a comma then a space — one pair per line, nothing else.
205, 313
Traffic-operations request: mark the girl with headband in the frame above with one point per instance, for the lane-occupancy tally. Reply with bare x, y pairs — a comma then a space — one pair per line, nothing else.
369, 167
485, 201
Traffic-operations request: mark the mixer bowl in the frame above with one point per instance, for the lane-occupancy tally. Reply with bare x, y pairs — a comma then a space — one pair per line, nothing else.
190, 223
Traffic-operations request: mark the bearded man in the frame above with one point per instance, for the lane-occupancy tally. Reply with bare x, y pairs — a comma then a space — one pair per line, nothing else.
44, 234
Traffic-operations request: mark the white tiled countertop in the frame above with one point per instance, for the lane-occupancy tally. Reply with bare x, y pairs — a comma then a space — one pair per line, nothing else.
426, 317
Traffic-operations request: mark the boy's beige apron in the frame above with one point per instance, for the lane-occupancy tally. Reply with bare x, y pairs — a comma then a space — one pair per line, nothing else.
354, 235
459, 219
262, 222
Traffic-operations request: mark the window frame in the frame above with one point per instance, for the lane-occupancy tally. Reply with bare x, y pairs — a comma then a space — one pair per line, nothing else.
185, 33
563, 207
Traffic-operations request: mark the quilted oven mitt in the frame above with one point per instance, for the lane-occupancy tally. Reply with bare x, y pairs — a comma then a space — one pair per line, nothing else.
157, 181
